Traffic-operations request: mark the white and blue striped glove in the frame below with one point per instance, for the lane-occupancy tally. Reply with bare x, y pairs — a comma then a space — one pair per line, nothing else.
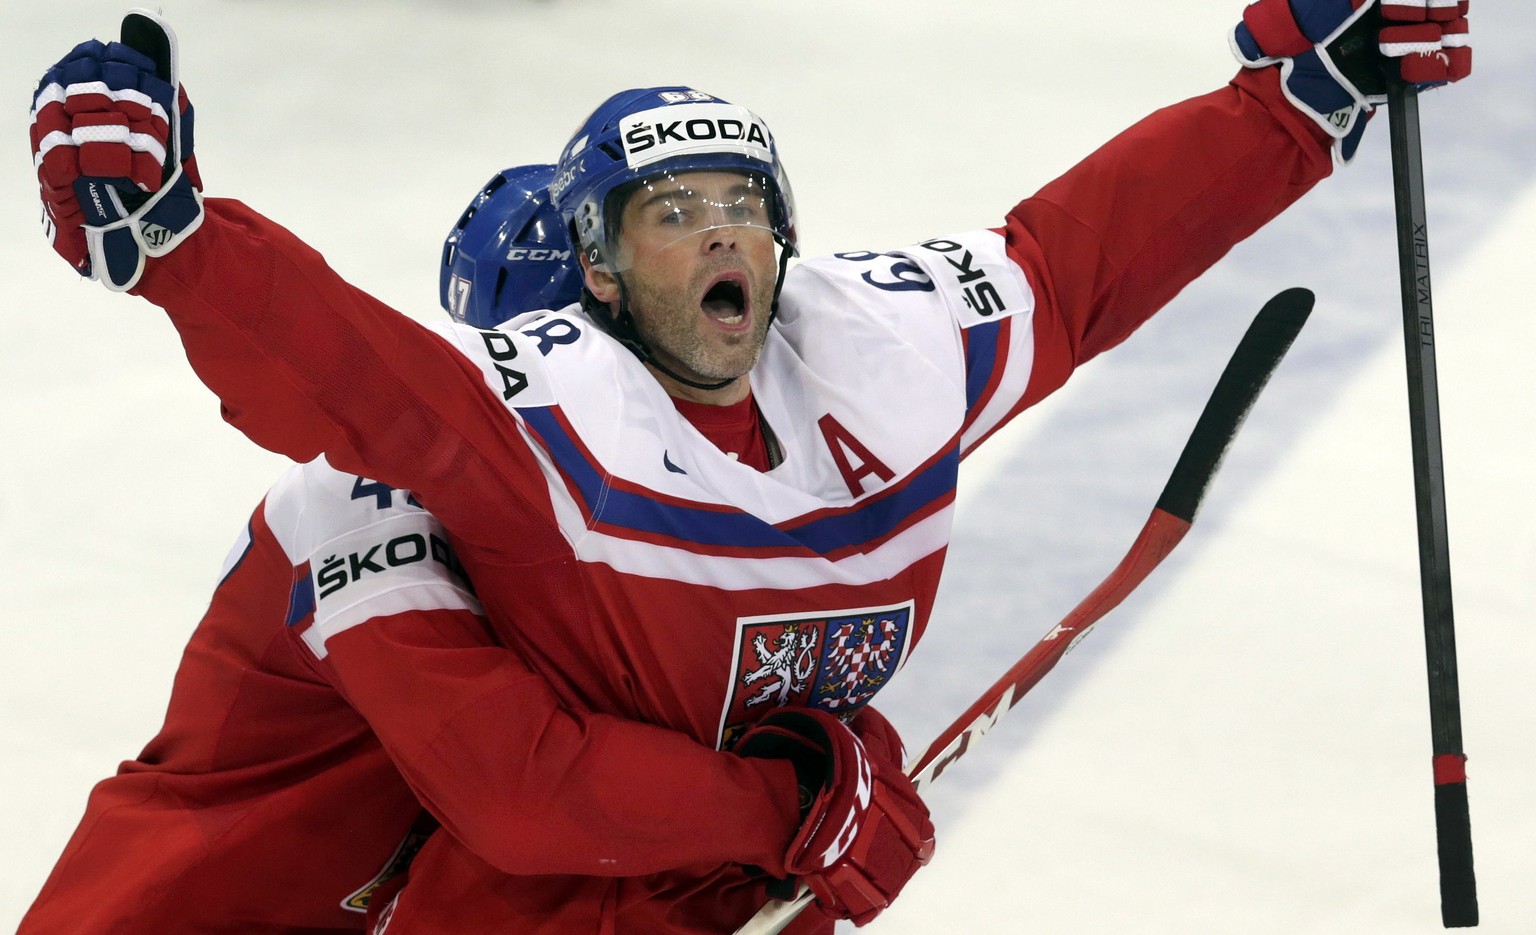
112, 145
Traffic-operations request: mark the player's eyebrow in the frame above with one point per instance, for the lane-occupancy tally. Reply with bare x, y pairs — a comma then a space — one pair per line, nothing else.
736, 192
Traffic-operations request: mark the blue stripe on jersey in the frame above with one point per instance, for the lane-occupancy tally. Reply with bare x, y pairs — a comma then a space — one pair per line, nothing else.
980, 360
301, 600
878, 519
634, 511
732, 527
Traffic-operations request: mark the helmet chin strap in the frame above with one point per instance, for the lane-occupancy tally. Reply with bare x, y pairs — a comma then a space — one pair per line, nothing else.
623, 328
643, 350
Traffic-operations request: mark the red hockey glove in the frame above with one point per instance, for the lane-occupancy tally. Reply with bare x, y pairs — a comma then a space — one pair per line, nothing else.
1336, 56
1430, 40
879, 736
112, 144
865, 830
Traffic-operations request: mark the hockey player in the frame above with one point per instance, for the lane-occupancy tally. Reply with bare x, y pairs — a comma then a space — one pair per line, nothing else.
342, 678
723, 486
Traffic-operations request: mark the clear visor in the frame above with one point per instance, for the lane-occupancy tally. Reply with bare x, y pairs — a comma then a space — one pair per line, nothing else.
674, 209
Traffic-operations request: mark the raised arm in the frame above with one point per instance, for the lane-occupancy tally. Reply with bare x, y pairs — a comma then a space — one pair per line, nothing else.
302, 361
1115, 238
1120, 234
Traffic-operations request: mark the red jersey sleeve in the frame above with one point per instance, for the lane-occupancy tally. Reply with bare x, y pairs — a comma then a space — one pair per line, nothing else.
306, 361
1120, 234
535, 787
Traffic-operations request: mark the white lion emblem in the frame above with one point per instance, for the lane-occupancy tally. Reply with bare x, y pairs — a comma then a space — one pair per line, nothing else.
785, 669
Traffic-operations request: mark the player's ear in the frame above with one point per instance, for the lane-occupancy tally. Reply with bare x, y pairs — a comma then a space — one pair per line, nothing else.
603, 286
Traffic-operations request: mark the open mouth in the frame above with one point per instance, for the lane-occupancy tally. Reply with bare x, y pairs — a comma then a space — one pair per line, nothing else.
726, 302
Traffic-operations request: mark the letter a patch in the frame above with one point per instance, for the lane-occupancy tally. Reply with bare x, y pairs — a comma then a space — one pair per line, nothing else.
854, 461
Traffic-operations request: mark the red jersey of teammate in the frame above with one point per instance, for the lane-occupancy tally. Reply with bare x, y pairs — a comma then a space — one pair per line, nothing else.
341, 677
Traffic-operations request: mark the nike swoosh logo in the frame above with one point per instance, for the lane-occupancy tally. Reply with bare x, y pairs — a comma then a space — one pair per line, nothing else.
666, 462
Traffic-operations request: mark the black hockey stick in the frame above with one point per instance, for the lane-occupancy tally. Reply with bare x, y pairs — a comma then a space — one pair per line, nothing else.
1257, 355
1453, 824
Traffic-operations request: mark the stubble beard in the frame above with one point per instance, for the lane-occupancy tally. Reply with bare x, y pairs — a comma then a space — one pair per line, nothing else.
680, 336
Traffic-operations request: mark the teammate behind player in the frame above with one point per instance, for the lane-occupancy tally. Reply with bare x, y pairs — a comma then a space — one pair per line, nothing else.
691, 504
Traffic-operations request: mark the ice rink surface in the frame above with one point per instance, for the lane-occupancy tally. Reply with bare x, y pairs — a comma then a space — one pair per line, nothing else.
1242, 747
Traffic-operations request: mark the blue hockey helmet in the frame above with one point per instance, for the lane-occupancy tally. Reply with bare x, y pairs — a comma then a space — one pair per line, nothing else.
509, 252
648, 133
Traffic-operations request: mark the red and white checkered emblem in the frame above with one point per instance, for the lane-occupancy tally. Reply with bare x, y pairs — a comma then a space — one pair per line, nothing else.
833, 661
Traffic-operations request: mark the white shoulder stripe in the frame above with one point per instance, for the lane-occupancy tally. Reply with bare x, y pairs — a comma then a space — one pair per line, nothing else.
400, 564
415, 596
236, 552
